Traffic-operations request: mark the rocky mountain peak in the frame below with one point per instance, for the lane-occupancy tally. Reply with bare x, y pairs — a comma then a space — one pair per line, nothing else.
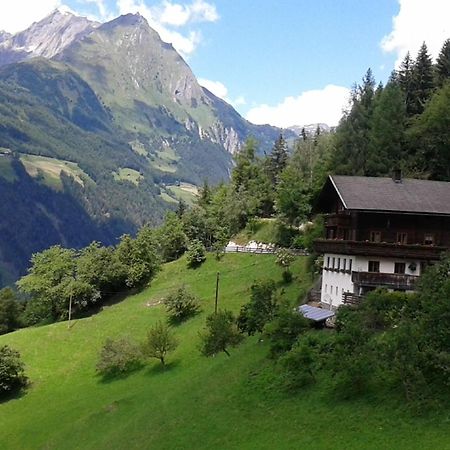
45, 38
4, 36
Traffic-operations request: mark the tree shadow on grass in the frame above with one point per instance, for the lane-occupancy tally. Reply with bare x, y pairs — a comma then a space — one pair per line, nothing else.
112, 376
14, 395
177, 321
158, 368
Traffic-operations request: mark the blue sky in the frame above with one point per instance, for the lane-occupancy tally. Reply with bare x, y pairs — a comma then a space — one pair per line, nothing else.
282, 62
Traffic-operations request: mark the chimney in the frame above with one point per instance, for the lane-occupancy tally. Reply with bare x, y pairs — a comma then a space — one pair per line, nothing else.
397, 175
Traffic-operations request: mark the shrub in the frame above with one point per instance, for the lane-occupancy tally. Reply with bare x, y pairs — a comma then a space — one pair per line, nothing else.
261, 308
220, 333
159, 342
284, 330
118, 356
196, 253
299, 365
287, 276
181, 304
12, 374
284, 259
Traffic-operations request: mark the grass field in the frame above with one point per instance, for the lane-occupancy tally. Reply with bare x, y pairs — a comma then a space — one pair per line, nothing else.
197, 402
127, 174
50, 170
185, 191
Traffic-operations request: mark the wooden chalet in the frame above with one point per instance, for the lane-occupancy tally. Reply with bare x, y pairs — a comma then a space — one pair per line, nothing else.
379, 232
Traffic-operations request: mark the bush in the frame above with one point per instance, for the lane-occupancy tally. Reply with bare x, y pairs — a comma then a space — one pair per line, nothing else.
159, 342
181, 304
287, 276
118, 356
299, 365
12, 374
261, 308
196, 253
284, 330
221, 332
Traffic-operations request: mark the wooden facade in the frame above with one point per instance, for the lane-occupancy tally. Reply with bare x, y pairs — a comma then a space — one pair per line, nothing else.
379, 232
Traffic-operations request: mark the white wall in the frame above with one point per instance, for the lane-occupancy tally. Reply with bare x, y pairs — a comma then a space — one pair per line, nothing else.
332, 280
334, 283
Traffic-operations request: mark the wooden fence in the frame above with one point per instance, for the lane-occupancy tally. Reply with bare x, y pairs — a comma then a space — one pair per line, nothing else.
261, 250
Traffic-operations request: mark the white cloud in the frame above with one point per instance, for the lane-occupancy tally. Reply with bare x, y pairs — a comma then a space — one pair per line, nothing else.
18, 15
418, 21
221, 91
166, 15
101, 7
325, 105
216, 87
177, 14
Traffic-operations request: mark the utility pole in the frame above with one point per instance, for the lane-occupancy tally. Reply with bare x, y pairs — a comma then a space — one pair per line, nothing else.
217, 292
70, 306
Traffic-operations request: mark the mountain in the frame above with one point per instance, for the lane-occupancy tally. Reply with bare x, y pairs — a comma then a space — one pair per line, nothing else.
310, 129
45, 38
96, 122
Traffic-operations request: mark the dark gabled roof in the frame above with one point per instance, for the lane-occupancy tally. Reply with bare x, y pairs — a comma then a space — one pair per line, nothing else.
384, 194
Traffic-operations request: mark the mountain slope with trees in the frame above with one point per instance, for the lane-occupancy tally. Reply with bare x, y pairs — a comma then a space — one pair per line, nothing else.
127, 114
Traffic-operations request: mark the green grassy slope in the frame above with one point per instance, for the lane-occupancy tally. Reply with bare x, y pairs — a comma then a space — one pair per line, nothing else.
197, 402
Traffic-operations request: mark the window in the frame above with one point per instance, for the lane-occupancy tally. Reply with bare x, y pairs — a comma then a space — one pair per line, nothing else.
334, 261
399, 267
339, 264
402, 238
336, 290
345, 234
345, 264
374, 266
350, 264
428, 239
375, 236
328, 261
326, 288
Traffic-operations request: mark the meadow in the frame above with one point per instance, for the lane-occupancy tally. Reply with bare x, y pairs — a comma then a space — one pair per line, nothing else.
196, 402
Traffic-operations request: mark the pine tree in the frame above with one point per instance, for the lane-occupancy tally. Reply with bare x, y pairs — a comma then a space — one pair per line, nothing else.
443, 64
405, 80
422, 80
386, 131
316, 135
352, 134
304, 135
277, 159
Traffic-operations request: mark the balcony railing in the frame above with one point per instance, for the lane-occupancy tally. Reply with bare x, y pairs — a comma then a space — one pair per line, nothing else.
389, 280
366, 248
337, 220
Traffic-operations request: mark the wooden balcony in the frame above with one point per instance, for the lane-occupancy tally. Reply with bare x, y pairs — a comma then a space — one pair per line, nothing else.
338, 220
386, 249
388, 280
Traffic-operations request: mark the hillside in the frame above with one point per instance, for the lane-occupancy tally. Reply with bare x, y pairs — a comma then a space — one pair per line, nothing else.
196, 402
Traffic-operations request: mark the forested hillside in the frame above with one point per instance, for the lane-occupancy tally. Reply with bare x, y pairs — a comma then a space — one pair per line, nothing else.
404, 124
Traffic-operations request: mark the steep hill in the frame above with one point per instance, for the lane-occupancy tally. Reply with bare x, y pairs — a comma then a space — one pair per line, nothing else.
197, 402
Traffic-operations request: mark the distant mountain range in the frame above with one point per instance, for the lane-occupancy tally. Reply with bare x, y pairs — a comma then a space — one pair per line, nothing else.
310, 129
98, 121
